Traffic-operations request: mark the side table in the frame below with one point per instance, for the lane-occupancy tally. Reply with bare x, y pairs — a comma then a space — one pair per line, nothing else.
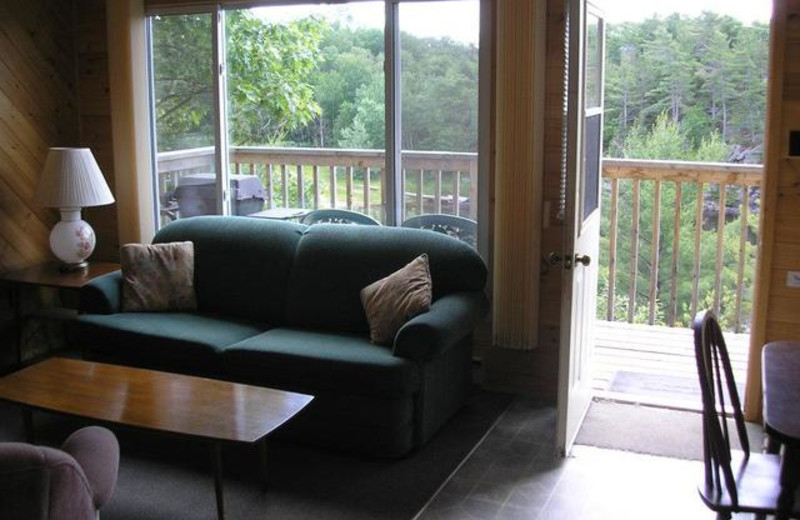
46, 275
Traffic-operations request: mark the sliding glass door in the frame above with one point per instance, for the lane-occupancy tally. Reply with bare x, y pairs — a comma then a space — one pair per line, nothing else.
299, 100
305, 90
439, 114
184, 121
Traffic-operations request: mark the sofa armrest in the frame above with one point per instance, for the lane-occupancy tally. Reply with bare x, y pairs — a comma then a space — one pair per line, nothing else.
451, 318
102, 295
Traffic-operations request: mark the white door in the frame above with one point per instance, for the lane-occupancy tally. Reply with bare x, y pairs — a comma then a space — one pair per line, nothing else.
582, 217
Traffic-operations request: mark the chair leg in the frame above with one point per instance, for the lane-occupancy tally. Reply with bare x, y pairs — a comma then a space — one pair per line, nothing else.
723, 516
760, 516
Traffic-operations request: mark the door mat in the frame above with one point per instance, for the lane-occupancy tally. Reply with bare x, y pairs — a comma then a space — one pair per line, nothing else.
650, 430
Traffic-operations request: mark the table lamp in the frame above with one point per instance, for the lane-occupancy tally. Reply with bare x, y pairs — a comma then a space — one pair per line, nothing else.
72, 180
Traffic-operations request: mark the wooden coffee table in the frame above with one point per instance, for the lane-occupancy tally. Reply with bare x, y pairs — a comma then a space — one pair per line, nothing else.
206, 409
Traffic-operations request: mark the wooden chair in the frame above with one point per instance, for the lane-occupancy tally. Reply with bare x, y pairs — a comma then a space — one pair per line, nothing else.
338, 216
735, 482
461, 228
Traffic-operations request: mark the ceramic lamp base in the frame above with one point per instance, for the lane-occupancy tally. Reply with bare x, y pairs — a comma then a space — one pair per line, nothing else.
72, 240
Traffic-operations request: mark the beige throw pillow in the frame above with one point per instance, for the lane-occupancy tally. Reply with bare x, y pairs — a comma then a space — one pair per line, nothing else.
158, 277
392, 301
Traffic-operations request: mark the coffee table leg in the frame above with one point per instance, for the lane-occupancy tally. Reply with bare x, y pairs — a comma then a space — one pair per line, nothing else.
27, 423
216, 456
262, 451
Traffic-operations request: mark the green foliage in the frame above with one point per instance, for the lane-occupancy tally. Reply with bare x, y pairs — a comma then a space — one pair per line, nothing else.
706, 73
268, 68
184, 81
666, 140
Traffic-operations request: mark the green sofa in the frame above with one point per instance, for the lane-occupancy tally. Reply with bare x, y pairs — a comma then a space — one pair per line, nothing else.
279, 306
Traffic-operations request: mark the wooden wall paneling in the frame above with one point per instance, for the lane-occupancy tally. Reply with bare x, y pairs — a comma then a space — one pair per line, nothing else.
42, 66
775, 307
535, 372
94, 100
37, 110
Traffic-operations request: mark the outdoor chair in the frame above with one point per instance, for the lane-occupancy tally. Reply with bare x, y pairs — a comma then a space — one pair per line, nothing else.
735, 481
338, 216
461, 228
71, 483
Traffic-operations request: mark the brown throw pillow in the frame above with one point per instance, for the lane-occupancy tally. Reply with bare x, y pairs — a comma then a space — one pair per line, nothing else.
392, 301
158, 277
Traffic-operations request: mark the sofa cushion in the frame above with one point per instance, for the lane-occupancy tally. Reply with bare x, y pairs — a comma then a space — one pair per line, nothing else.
241, 264
334, 262
390, 302
320, 362
158, 277
183, 342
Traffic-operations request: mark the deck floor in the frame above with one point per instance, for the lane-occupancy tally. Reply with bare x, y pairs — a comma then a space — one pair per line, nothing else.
654, 364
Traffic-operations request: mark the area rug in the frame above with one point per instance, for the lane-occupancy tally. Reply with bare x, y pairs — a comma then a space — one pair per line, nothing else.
171, 479
650, 430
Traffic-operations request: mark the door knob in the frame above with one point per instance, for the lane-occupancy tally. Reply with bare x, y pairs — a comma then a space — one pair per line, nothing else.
583, 259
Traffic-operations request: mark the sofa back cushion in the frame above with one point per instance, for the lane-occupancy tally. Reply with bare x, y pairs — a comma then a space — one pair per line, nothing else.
334, 262
241, 264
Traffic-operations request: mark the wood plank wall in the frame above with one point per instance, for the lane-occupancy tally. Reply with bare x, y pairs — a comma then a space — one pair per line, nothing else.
95, 116
535, 372
53, 92
38, 109
776, 312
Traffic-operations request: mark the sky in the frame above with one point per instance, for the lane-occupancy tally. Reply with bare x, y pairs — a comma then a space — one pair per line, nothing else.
459, 20
747, 11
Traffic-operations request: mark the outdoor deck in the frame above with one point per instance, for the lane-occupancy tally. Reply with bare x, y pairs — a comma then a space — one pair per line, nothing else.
654, 364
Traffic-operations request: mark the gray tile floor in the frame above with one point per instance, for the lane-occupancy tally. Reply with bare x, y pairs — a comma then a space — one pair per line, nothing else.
514, 474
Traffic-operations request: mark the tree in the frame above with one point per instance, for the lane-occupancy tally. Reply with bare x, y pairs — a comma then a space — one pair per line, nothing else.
268, 66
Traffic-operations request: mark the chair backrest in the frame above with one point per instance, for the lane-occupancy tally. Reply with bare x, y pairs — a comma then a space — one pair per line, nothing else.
461, 228
40, 483
720, 399
338, 216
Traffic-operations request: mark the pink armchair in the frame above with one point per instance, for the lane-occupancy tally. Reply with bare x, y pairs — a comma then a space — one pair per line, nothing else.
73, 483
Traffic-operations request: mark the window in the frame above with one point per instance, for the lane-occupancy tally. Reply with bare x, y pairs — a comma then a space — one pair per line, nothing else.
298, 107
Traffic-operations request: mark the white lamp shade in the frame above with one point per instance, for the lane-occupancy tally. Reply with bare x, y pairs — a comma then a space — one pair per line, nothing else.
72, 179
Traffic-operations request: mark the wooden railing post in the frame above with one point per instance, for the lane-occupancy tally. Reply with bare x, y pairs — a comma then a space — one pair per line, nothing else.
720, 249
457, 194
634, 271
316, 186
367, 187
301, 192
269, 188
676, 240
655, 243
333, 186
473, 189
612, 249
285, 185
698, 230
742, 250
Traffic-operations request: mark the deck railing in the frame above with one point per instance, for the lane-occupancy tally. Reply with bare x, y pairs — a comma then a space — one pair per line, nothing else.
433, 182
685, 203
646, 270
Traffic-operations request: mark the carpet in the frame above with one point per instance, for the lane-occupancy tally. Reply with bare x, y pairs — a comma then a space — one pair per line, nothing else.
163, 478
650, 430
